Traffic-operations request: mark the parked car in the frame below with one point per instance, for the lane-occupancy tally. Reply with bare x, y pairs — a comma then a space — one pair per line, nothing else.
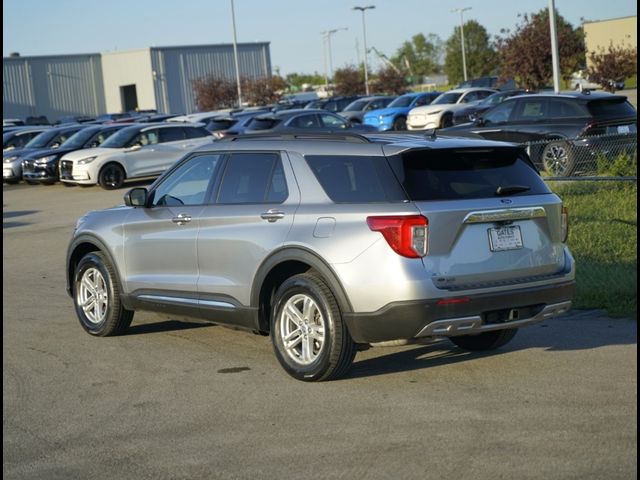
354, 112
302, 120
332, 104
48, 138
15, 138
233, 123
12, 122
468, 114
580, 80
138, 151
568, 126
37, 120
394, 116
42, 166
330, 242
202, 117
112, 117
439, 113
482, 82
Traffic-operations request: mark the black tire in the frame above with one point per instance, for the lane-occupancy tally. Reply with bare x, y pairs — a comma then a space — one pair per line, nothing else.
67, 184
486, 340
330, 352
111, 176
111, 318
558, 158
400, 123
31, 182
11, 182
447, 120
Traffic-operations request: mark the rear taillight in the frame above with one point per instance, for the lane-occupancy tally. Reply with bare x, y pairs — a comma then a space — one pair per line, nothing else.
406, 235
564, 224
593, 129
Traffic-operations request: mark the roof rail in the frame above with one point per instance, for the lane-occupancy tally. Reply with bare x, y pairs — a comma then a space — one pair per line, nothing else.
338, 136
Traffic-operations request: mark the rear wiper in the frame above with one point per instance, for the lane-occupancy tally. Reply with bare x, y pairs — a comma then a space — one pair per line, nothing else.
510, 189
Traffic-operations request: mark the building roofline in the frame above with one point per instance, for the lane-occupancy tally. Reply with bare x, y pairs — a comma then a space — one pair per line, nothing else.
609, 19
63, 55
208, 45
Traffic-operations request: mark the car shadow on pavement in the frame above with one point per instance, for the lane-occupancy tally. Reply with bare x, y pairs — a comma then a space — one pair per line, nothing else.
580, 331
18, 213
164, 326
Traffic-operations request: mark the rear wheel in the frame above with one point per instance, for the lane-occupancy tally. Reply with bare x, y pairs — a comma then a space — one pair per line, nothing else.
111, 176
309, 337
558, 159
400, 123
447, 120
96, 293
486, 340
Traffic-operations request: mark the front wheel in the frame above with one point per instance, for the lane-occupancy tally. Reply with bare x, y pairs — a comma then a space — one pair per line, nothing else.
400, 123
447, 120
485, 341
96, 293
558, 159
111, 176
309, 336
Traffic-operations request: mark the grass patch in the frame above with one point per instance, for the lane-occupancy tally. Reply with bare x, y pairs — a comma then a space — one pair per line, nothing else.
631, 82
603, 239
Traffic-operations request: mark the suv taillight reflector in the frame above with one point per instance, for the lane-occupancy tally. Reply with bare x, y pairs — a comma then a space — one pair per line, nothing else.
564, 224
406, 235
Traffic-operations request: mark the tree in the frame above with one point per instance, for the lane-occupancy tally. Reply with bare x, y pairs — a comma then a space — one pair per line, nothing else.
526, 54
390, 80
263, 90
480, 56
613, 64
348, 80
298, 79
214, 92
420, 56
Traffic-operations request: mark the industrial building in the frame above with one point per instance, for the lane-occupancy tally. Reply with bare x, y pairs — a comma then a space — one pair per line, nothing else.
158, 78
621, 32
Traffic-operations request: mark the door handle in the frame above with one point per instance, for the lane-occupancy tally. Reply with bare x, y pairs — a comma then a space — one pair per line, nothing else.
272, 215
181, 219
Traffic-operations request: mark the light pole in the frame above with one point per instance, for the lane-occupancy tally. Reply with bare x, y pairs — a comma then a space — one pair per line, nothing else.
235, 55
364, 35
555, 58
464, 59
327, 36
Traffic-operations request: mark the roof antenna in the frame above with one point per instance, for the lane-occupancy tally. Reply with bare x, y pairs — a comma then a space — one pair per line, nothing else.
430, 134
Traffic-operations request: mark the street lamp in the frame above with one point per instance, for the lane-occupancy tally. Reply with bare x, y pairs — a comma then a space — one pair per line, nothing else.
464, 60
364, 32
235, 54
327, 37
555, 58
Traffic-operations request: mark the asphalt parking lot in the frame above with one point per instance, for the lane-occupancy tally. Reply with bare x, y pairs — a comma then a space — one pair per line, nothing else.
179, 399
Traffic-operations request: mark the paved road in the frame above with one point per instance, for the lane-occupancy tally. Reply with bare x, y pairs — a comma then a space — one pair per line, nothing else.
185, 400
632, 95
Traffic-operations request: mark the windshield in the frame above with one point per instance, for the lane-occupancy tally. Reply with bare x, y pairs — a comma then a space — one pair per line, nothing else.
402, 101
446, 98
42, 139
78, 139
121, 138
356, 106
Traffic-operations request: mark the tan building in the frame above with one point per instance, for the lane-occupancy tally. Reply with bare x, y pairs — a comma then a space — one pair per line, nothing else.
619, 31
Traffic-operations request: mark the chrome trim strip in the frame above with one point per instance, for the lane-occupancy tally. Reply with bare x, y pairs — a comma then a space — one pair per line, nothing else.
472, 325
488, 216
186, 301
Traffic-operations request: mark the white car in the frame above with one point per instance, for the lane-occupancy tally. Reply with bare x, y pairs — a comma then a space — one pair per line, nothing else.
439, 113
134, 152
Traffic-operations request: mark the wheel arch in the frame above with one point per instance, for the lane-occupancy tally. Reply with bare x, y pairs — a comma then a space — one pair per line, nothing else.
283, 264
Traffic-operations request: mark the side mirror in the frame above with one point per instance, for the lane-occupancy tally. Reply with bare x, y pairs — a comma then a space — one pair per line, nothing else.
479, 121
134, 148
136, 197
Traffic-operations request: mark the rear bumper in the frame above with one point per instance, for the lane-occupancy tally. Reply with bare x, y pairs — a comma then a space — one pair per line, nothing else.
511, 309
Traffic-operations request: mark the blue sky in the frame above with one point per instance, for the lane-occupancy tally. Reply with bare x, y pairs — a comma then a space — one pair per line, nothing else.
46, 27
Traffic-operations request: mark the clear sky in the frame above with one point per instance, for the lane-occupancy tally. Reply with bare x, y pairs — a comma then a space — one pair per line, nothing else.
47, 27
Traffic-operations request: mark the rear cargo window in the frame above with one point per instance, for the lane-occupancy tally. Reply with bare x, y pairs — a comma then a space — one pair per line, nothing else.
356, 179
615, 107
470, 173
263, 123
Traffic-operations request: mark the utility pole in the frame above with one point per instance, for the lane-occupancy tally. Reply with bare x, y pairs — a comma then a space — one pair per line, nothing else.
235, 55
327, 36
464, 59
555, 58
364, 32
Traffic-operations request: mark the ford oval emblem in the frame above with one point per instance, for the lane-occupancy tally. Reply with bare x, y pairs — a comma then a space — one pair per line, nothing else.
506, 201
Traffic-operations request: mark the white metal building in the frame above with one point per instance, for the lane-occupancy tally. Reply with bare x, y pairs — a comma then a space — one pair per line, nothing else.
157, 78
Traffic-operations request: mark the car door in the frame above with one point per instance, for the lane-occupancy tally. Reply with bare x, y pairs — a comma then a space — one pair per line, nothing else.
160, 241
528, 120
494, 124
250, 218
142, 157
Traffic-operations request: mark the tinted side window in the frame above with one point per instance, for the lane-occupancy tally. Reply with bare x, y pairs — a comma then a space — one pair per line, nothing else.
356, 179
253, 178
531, 109
424, 100
557, 108
171, 134
617, 107
189, 183
332, 121
196, 132
498, 114
304, 121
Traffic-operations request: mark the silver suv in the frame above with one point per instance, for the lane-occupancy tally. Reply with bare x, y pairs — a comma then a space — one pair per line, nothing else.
329, 242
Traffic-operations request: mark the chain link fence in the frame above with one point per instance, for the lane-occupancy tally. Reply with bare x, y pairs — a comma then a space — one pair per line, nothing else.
613, 154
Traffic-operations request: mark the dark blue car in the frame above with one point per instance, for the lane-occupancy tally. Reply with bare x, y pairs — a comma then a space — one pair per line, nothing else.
394, 117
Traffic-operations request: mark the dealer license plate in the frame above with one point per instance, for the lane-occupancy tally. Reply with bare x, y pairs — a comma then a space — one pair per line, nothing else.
505, 238
623, 129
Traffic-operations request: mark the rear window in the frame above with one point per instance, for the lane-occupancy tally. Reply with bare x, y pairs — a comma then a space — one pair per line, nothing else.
471, 173
356, 179
263, 123
615, 107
